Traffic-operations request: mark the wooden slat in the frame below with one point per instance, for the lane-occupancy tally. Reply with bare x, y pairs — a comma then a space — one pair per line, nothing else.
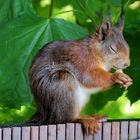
107, 131
88, 137
34, 133
124, 130
78, 132
115, 130
132, 130
25, 133
98, 136
6, 133
16, 133
139, 129
43, 133
61, 132
51, 132
69, 131
0, 134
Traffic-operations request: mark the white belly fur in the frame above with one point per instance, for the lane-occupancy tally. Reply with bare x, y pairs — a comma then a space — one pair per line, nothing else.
83, 94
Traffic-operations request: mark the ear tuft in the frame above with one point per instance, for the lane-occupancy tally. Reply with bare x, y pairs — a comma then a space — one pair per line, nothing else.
120, 24
104, 30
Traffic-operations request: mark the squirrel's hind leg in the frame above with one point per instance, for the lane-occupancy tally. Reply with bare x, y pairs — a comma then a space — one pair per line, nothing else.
91, 124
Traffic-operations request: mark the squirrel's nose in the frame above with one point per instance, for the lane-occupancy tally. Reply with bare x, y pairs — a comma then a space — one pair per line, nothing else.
126, 64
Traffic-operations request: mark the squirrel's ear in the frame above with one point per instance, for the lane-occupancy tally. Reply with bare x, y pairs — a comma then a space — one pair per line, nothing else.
104, 30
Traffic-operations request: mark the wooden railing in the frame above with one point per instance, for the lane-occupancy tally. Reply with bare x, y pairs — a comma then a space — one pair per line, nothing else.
112, 130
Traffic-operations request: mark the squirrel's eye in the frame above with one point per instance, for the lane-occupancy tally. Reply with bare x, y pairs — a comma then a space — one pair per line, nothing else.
113, 49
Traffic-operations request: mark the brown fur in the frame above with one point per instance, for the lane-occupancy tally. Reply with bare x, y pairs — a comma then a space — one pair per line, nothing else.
60, 67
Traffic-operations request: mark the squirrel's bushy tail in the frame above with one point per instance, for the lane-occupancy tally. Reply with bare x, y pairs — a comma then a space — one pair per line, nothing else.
54, 90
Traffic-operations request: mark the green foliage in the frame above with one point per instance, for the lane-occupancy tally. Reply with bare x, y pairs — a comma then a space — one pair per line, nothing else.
21, 37
14, 115
26, 28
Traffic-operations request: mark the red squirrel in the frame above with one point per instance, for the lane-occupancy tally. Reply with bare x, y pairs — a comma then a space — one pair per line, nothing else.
64, 74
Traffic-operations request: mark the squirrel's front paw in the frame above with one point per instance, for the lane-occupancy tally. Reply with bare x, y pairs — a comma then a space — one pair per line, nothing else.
122, 79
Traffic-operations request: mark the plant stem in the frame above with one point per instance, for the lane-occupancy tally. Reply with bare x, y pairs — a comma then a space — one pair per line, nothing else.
126, 4
51, 8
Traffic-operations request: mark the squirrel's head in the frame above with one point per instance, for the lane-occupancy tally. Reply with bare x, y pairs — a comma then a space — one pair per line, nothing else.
112, 45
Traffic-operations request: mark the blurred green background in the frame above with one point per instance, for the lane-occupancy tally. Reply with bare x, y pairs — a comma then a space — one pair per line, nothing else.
25, 26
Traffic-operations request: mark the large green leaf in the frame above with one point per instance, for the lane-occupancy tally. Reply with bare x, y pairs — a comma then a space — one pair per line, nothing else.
20, 40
